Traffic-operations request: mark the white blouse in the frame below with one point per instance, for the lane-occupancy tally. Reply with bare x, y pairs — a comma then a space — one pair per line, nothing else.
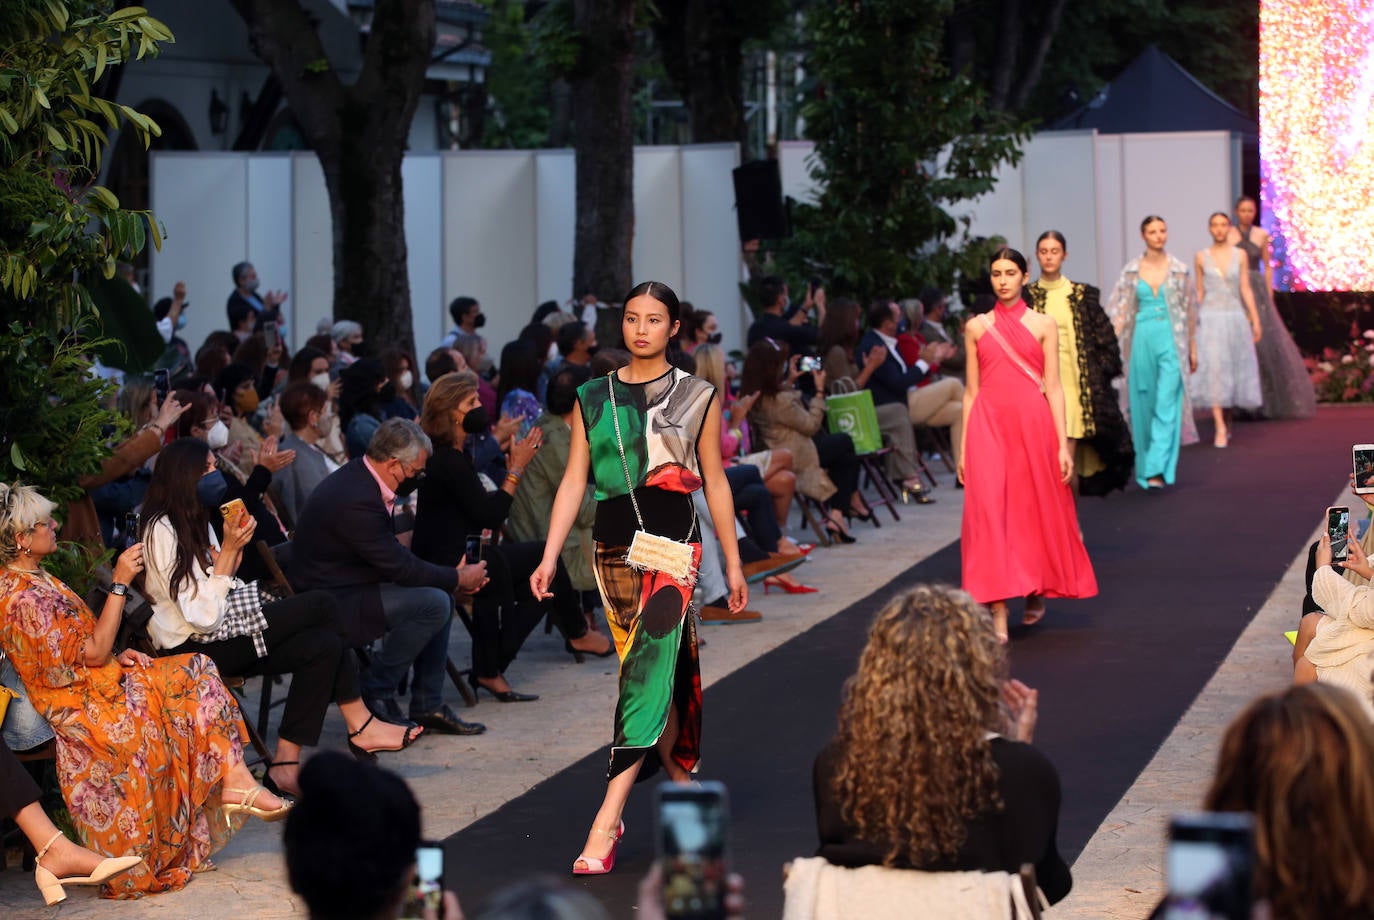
202, 600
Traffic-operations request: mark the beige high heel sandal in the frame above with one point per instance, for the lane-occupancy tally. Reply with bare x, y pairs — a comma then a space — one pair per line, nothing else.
50, 886
245, 806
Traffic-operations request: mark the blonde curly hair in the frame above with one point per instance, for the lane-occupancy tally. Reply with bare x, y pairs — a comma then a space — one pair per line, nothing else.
915, 763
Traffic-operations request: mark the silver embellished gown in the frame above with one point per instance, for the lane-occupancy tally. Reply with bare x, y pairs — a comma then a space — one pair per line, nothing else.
1227, 370
1284, 383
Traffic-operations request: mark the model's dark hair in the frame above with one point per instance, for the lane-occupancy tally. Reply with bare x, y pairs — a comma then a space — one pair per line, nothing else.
1149, 220
1218, 214
172, 494
520, 367
562, 392
1052, 235
660, 292
350, 841
1010, 255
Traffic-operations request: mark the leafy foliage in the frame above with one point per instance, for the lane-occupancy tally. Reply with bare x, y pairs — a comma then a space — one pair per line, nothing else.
899, 140
59, 229
532, 45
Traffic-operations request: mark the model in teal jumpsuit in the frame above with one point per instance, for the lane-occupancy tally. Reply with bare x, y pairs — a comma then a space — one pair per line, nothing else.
1156, 384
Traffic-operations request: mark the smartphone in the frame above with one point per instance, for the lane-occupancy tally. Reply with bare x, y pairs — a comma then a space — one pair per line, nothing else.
693, 824
1210, 866
1363, 462
235, 512
161, 383
472, 549
1338, 529
427, 891
809, 364
270, 335
132, 522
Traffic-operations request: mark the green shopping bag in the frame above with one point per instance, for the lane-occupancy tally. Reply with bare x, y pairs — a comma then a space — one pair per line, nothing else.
853, 414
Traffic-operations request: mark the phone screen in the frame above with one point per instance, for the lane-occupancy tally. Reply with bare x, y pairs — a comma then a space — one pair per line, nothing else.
269, 335
1211, 867
1338, 529
472, 549
427, 891
1364, 468
692, 828
162, 384
131, 527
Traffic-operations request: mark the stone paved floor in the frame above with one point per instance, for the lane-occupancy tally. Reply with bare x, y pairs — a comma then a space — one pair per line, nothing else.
458, 780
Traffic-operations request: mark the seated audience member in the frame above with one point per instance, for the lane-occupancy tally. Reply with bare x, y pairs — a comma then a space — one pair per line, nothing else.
936, 307
453, 505
303, 405
774, 466
212, 358
399, 368
238, 394
520, 369
324, 343
826, 466
311, 364
348, 342
350, 842
345, 543
542, 338
1336, 645
473, 348
839, 347
467, 319
773, 323
576, 342
705, 330
199, 605
1302, 762
60, 862
443, 361
364, 391
116, 497
922, 772
265, 363
533, 499
936, 403
156, 739
608, 360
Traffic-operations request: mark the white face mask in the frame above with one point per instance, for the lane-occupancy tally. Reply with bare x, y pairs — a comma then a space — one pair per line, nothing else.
406, 381
218, 436
321, 381
553, 351
324, 425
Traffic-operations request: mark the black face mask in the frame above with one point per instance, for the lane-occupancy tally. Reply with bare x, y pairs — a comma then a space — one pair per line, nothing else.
479, 321
714, 338
388, 392
476, 421
409, 484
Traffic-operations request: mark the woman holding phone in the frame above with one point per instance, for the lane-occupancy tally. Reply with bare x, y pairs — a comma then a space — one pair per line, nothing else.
1020, 528
637, 432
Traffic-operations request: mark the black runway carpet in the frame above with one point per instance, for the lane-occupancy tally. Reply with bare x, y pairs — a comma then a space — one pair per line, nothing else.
1181, 574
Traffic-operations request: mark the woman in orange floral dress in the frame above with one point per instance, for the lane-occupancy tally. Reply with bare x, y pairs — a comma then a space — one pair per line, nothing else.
148, 750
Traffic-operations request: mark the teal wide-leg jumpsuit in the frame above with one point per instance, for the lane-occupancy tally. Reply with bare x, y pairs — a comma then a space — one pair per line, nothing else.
1156, 388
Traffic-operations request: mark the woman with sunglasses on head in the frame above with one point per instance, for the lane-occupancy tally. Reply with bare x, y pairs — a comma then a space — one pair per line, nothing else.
1020, 529
638, 431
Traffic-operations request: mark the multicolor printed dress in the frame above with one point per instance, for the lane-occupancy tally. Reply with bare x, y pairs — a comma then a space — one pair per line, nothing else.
660, 423
141, 752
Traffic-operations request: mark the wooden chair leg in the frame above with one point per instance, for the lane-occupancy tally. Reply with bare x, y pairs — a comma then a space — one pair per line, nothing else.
805, 503
255, 738
460, 681
942, 443
876, 476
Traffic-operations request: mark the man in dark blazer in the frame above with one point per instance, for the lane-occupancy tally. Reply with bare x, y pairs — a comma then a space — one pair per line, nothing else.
246, 311
345, 544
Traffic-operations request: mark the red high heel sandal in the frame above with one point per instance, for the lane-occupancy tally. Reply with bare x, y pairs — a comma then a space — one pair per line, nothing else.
601, 866
773, 581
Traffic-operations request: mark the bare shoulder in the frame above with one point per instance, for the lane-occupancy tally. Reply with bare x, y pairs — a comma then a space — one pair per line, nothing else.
975, 327
1042, 324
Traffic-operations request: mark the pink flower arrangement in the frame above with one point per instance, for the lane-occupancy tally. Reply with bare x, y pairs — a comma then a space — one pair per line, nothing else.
1344, 375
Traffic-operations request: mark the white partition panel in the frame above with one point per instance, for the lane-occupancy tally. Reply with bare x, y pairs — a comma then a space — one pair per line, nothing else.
269, 230
556, 209
656, 254
795, 170
313, 232
1058, 193
202, 200
422, 176
489, 233
1000, 212
710, 247
1183, 177
1116, 241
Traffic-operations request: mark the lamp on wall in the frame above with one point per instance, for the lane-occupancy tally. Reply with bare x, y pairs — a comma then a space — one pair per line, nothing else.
219, 114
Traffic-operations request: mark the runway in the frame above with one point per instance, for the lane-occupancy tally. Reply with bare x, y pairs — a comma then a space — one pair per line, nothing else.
1181, 574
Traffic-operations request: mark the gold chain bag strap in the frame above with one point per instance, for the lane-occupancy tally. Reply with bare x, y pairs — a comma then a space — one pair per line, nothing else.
1015, 358
650, 552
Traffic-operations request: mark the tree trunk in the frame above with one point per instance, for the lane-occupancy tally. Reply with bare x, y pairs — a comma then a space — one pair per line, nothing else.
1037, 63
359, 134
701, 44
604, 144
1008, 44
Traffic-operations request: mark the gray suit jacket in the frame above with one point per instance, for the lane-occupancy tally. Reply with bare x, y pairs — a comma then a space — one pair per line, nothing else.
293, 483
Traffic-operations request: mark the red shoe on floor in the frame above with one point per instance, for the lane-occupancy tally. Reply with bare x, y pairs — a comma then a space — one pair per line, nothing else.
596, 866
791, 587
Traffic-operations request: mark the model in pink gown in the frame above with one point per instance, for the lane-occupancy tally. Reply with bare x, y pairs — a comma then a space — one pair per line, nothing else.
1020, 532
